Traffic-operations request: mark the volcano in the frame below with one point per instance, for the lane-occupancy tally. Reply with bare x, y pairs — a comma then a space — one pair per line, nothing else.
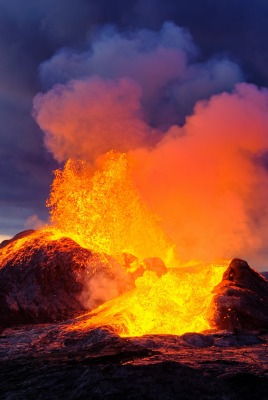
97, 304
56, 345
134, 284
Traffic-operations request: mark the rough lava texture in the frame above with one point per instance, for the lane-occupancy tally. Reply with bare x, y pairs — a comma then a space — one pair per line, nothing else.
63, 361
48, 280
241, 299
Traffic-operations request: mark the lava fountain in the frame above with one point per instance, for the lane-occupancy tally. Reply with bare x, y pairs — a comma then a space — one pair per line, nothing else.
103, 212
159, 203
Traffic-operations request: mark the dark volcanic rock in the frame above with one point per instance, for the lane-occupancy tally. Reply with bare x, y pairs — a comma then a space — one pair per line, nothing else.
241, 300
44, 280
54, 362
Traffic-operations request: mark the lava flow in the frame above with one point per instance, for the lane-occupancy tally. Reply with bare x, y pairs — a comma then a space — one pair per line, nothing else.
126, 266
103, 212
177, 302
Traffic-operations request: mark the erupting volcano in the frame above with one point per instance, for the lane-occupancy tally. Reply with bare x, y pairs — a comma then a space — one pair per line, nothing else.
133, 261
159, 197
107, 282
149, 224
104, 245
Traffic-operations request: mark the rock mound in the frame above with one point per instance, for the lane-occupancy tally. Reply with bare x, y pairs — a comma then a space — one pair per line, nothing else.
46, 280
241, 299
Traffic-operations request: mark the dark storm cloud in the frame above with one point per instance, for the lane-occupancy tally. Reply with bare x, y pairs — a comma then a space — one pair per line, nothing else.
237, 28
32, 32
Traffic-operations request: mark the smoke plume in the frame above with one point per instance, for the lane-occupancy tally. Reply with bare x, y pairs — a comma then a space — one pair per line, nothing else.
127, 89
207, 180
196, 137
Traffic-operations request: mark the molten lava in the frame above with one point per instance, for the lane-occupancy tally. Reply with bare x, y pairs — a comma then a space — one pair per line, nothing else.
103, 212
175, 303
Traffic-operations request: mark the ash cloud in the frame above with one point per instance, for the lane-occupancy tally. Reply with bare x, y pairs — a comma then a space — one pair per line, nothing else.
125, 90
164, 63
192, 130
86, 118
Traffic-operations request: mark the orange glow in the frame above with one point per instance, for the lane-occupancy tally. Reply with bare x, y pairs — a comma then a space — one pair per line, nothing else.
175, 303
197, 191
24, 246
103, 212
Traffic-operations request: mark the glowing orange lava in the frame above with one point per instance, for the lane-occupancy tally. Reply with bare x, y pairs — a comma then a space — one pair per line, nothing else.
176, 303
103, 212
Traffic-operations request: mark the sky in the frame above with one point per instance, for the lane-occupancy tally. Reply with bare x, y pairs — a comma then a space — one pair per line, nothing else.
54, 52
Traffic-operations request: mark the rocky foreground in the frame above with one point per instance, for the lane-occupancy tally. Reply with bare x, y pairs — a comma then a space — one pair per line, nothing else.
68, 358
55, 362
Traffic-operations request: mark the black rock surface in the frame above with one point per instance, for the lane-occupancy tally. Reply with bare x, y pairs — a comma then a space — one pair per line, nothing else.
64, 361
241, 299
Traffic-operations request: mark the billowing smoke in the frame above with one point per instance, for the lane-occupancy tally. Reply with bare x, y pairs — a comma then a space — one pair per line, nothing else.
208, 181
86, 118
196, 137
125, 90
